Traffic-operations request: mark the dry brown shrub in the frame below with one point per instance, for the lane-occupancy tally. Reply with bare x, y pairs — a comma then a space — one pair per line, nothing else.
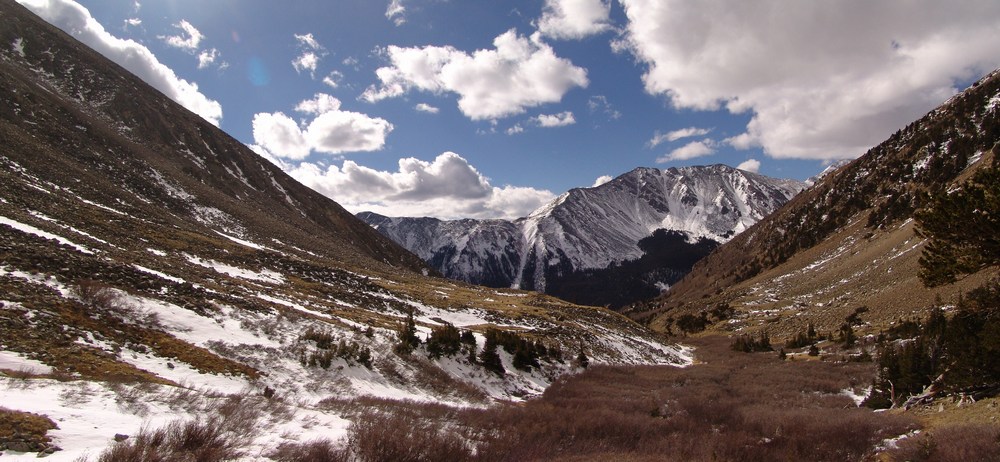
377, 436
735, 406
322, 450
430, 377
233, 422
194, 440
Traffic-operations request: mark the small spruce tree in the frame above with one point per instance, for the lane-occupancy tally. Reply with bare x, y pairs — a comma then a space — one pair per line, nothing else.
581, 358
813, 350
489, 358
407, 336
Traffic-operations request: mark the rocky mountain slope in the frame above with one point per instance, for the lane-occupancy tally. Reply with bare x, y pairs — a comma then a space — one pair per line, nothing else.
599, 245
154, 269
848, 244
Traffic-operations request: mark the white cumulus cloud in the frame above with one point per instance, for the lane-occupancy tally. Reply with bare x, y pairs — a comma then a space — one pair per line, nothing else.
207, 57
600, 104
319, 104
822, 80
310, 52
601, 180
518, 73
331, 130
333, 79
750, 165
675, 135
561, 119
689, 151
447, 187
76, 20
280, 135
424, 107
574, 19
188, 39
396, 12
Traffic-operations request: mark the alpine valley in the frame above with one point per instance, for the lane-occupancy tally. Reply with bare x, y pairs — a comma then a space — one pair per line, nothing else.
610, 245
167, 294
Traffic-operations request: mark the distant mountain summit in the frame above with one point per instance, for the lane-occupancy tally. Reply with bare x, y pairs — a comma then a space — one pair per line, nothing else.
612, 244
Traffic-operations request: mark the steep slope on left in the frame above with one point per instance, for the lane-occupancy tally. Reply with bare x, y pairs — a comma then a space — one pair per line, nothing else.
153, 269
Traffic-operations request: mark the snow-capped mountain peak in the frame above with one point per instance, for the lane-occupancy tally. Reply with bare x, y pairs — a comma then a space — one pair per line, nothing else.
593, 228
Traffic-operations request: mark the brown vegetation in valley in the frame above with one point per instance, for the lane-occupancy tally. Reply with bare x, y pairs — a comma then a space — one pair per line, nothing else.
728, 406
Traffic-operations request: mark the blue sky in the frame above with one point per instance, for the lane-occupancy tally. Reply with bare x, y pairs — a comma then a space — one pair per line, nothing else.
483, 108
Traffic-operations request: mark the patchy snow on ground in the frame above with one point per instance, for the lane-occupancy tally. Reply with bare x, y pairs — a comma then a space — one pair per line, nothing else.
291, 304
14, 361
159, 274
102, 206
90, 414
28, 229
40, 279
858, 396
264, 275
182, 373
199, 330
243, 242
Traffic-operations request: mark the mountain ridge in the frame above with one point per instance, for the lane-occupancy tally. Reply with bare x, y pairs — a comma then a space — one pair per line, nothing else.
593, 229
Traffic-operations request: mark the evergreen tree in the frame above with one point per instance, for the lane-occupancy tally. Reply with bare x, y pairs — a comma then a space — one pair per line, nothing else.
749, 343
581, 358
972, 342
962, 228
445, 340
489, 358
523, 360
813, 350
407, 339
847, 335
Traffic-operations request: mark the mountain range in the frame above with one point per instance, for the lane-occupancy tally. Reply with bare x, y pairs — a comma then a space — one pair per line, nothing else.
613, 244
165, 293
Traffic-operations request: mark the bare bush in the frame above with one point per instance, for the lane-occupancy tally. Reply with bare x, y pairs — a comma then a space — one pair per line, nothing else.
232, 423
376, 437
194, 440
322, 450
104, 299
431, 377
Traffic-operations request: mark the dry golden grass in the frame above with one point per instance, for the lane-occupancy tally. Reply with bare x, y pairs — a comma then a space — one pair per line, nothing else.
873, 269
24, 427
951, 411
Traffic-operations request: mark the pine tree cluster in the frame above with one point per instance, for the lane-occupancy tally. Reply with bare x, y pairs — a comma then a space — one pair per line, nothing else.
960, 354
804, 339
749, 343
962, 227
526, 353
